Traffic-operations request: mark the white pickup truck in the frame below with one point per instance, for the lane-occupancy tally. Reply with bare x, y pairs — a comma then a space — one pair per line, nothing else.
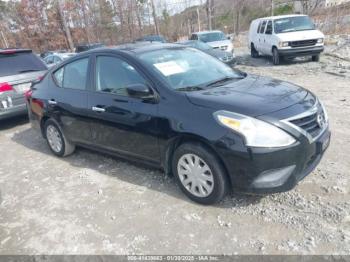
285, 36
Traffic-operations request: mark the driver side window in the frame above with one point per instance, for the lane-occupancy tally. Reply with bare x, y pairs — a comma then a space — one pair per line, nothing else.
114, 75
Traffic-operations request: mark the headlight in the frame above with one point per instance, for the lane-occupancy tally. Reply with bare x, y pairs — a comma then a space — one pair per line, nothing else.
257, 133
320, 40
283, 44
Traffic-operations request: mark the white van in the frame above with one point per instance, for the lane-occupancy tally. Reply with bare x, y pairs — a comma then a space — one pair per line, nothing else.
285, 36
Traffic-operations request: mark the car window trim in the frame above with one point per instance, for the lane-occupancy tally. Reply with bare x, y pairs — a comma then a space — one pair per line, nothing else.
72, 60
93, 74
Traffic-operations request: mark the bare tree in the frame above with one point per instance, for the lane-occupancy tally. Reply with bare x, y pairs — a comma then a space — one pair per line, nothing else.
65, 25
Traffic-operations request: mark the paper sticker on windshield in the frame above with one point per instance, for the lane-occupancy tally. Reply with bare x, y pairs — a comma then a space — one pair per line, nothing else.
169, 68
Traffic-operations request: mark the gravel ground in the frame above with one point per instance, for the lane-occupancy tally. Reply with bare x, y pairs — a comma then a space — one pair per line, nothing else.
90, 203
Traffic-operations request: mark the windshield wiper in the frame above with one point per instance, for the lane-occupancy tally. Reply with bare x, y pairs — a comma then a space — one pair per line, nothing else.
223, 80
28, 70
189, 88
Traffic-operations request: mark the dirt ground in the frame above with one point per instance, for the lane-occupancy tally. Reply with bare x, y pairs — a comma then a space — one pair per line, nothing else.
90, 203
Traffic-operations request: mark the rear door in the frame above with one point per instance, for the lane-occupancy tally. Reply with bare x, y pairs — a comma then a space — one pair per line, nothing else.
67, 99
119, 122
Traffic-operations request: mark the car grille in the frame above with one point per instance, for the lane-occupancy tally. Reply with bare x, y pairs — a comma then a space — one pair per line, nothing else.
221, 47
314, 123
302, 43
227, 58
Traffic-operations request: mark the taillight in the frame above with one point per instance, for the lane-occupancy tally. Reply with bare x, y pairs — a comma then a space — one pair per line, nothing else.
5, 87
28, 94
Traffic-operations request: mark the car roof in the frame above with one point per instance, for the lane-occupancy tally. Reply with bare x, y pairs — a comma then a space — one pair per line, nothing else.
207, 32
278, 17
136, 47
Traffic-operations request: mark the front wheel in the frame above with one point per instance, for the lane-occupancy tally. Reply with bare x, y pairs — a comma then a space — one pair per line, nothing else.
56, 140
275, 56
316, 58
253, 52
199, 174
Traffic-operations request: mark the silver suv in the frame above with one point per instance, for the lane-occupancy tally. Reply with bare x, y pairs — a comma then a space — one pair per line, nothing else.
18, 68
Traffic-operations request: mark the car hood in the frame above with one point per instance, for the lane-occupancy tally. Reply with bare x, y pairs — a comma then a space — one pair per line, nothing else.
300, 35
218, 53
219, 43
252, 96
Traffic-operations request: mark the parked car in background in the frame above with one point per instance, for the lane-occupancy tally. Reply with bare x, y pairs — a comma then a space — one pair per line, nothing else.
286, 36
216, 39
46, 53
152, 38
180, 109
224, 56
57, 58
18, 68
85, 47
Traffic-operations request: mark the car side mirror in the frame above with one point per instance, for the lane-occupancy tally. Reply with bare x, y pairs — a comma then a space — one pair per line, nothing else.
140, 91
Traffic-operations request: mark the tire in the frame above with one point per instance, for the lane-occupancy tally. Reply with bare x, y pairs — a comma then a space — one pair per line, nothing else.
214, 179
316, 58
253, 52
54, 136
275, 56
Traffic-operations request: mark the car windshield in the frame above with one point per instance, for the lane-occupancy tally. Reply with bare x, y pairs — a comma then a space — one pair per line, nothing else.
211, 37
292, 24
188, 69
20, 62
200, 45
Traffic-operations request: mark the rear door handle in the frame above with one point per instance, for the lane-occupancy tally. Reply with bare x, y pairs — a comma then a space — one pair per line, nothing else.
52, 102
98, 109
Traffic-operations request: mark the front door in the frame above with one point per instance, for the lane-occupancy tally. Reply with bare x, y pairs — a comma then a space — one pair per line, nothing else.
120, 122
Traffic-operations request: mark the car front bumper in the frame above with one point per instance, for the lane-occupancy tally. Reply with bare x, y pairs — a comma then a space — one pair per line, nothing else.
301, 51
268, 170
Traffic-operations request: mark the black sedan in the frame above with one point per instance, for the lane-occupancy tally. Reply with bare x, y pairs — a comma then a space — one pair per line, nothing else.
224, 56
174, 107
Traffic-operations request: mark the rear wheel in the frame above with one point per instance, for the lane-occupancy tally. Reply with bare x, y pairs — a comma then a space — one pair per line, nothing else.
316, 58
253, 52
275, 56
199, 174
56, 140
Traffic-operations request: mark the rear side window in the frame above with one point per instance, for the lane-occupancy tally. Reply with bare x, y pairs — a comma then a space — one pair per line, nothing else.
259, 27
20, 62
72, 75
194, 37
262, 28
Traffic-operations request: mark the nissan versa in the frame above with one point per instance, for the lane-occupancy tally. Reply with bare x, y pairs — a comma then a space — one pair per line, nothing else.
175, 107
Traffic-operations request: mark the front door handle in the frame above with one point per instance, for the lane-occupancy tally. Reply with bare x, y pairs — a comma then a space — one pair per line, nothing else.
52, 102
98, 109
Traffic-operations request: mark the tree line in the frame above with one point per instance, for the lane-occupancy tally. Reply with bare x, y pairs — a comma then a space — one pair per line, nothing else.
63, 24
